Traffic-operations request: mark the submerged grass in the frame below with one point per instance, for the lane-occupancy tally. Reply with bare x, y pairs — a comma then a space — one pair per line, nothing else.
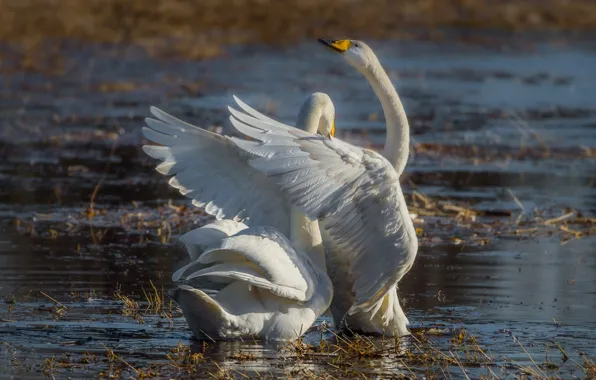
183, 358
130, 307
435, 353
154, 304
419, 355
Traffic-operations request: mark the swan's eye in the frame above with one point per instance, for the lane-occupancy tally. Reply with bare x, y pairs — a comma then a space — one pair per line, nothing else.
357, 44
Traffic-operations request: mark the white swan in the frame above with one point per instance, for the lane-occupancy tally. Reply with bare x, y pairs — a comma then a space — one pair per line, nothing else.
246, 282
371, 242
356, 195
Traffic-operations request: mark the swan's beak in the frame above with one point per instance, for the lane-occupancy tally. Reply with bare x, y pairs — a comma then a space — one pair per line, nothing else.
340, 46
332, 133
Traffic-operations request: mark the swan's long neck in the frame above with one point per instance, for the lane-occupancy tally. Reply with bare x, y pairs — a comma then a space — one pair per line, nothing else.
397, 143
305, 235
310, 114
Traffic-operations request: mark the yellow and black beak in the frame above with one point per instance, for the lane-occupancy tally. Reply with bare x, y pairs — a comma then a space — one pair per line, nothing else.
340, 46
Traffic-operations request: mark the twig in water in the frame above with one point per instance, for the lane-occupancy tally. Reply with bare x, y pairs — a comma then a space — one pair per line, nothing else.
560, 218
408, 368
529, 356
458, 362
52, 299
101, 180
518, 203
113, 354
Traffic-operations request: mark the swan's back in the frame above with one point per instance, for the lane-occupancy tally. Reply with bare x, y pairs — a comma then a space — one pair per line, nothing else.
270, 289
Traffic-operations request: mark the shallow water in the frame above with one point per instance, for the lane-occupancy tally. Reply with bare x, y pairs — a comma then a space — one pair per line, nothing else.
522, 119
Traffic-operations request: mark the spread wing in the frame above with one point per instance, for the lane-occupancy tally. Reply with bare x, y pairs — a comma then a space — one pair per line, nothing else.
259, 256
354, 192
214, 172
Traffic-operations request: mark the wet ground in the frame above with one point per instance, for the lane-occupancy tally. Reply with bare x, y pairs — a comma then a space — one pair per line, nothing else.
502, 176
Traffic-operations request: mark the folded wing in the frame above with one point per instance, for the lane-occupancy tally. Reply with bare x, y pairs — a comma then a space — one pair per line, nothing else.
259, 256
200, 239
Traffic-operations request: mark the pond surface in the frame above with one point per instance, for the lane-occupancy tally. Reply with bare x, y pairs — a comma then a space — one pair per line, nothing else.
508, 131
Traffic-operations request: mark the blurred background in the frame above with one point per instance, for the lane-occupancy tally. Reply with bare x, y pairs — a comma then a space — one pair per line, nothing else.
501, 101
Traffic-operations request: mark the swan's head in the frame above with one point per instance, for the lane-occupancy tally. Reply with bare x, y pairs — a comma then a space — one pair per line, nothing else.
317, 115
357, 53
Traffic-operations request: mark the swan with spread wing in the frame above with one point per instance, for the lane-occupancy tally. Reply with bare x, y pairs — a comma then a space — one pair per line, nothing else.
247, 282
355, 193
369, 238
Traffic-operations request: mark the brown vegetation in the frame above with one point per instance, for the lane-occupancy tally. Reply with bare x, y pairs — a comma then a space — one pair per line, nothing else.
198, 29
434, 352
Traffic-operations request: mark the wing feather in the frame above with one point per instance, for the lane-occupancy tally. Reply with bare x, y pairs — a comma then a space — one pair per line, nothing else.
200, 239
256, 114
260, 256
355, 193
214, 171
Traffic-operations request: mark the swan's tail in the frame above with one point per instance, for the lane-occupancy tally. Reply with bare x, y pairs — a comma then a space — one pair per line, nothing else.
203, 314
385, 317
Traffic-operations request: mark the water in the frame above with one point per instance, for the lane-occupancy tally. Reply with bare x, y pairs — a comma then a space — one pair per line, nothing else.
508, 131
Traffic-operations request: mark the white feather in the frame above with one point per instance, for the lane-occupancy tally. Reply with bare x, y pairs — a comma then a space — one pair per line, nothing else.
270, 288
214, 172
356, 194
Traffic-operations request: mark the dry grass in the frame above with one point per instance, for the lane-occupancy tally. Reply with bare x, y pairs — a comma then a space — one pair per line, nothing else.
59, 310
482, 226
481, 155
140, 373
428, 352
130, 307
155, 304
590, 368
182, 357
438, 220
198, 29
418, 354
155, 299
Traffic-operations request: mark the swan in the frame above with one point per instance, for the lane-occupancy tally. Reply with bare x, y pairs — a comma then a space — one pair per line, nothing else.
369, 239
355, 193
262, 285
245, 282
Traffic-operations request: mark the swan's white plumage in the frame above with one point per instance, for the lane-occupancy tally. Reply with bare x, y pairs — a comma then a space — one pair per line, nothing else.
286, 271
197, 240
382, 313
212, 171
265, 286
254, 113
356, 194
258, 256
246, 281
